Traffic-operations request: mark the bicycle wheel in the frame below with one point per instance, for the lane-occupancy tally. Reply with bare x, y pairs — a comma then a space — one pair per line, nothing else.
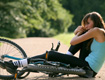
10, 48
55, 69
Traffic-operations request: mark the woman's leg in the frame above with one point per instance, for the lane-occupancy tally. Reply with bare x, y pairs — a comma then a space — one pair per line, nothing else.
85, 50
60, 57
72, 60
74, 48
55, 56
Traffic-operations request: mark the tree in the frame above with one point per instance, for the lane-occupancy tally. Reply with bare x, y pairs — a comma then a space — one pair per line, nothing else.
53, 18
22, 18
11, 21
80, 7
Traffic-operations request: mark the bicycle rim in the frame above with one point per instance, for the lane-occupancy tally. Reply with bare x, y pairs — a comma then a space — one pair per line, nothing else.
54, 69
12, 49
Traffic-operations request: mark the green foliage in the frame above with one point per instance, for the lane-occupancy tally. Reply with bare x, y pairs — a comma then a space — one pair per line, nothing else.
52, 18
80, 7
22, 18
11, 20
25, 18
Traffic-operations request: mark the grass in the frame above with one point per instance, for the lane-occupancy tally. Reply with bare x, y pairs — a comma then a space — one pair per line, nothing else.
65, 38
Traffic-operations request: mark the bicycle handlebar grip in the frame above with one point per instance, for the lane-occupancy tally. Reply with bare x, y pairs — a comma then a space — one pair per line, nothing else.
58, 45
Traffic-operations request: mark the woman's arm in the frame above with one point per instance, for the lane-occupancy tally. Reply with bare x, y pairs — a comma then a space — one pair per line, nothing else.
92, 33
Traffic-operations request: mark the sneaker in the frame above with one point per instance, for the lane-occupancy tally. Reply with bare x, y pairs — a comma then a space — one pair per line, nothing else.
89, 73
2, 65
10, 67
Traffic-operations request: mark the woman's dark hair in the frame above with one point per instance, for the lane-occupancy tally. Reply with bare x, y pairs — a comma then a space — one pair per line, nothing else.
98, 22
96, 18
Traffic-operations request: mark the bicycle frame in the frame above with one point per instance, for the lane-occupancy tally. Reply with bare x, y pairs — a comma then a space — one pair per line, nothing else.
11, 57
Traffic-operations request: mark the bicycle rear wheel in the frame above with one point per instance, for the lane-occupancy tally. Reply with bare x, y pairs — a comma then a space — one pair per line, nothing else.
10, 48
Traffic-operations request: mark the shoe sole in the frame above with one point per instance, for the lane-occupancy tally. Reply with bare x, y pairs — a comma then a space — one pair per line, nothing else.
2, 65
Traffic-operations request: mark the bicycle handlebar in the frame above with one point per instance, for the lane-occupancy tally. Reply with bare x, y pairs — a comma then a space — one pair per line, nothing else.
58, 45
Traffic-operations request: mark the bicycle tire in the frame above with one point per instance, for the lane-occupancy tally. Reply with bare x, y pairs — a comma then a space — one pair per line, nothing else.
55, 69
11, 48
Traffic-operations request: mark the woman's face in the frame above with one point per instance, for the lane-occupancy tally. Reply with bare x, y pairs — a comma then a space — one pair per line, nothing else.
89, 24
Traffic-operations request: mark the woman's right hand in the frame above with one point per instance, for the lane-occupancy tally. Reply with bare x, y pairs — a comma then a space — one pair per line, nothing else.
79, 30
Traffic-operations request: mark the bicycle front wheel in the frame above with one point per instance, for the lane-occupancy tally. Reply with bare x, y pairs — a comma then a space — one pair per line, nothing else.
9, 48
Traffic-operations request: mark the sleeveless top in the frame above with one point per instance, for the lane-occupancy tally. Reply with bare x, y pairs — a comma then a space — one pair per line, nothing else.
97, 56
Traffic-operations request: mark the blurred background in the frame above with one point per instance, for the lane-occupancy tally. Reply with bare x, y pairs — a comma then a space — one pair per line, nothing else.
44, 18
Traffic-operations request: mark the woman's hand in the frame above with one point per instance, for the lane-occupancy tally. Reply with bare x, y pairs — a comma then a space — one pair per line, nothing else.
79, 30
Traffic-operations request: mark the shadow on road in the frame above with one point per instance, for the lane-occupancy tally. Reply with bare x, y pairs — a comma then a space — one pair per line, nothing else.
71, 77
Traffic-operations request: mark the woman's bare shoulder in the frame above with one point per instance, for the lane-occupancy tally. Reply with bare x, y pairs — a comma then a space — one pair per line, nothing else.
97, 30
94, 31
99, 34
